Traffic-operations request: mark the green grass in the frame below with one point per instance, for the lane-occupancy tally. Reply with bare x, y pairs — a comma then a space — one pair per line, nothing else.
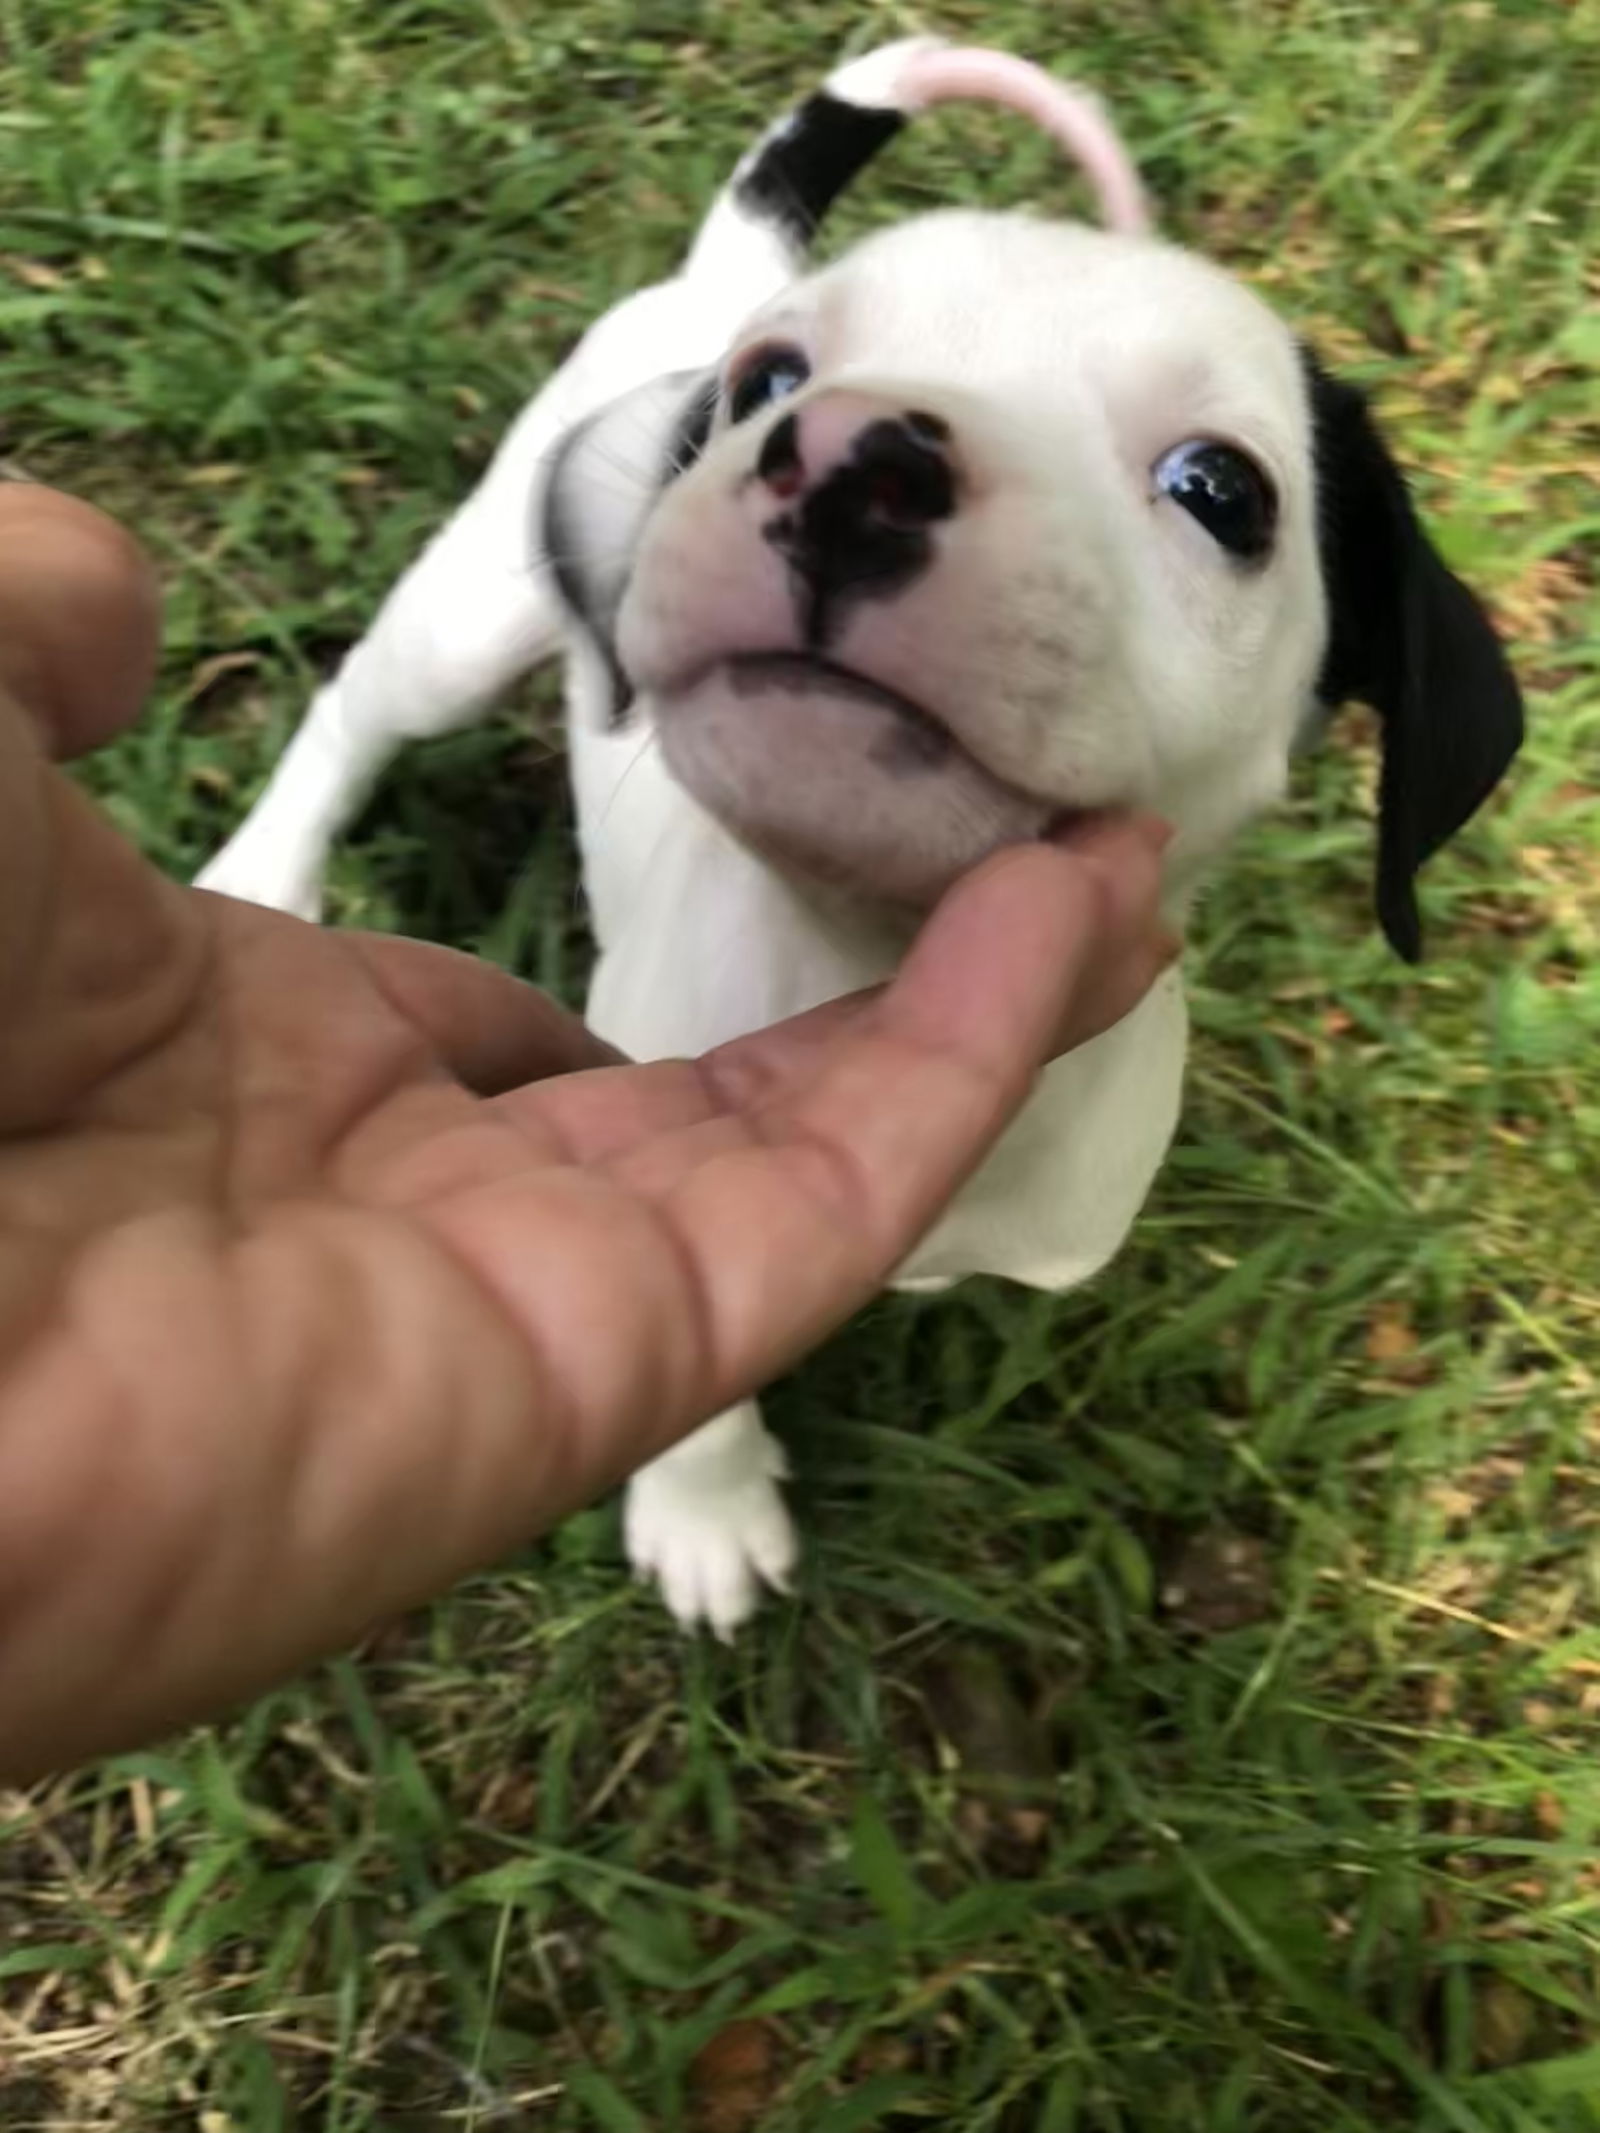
1190, 1720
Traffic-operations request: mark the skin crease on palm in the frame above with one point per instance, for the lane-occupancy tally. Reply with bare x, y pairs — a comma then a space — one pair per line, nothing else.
332, 1266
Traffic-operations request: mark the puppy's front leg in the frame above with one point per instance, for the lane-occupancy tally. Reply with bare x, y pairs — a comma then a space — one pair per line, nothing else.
477, 609
708, 1522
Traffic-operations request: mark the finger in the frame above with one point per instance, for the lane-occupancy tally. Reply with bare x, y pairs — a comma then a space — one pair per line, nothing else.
806, 1188
859, 1157
80, 617
1103, 903
1125, 949
864, 1154
1106, 883
1134, 945
490, 1029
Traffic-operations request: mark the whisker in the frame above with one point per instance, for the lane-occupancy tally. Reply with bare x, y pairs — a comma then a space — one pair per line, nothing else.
647, 742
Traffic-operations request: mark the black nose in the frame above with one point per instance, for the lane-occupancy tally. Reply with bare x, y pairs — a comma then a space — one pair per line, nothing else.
857, 525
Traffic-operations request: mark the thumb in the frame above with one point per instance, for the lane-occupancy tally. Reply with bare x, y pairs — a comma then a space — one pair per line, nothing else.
80, 617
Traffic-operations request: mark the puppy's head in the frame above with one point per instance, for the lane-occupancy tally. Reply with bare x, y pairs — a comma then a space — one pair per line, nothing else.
999, 520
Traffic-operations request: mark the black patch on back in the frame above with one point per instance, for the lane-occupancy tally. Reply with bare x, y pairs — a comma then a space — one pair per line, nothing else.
801, 169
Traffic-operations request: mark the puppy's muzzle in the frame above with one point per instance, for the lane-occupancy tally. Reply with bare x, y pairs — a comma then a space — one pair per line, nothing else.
860, 485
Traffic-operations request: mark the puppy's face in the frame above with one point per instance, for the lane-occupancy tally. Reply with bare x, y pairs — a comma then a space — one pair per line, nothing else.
994, 521
998, 519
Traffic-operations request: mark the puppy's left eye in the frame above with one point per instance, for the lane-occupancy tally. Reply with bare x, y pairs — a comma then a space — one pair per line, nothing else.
1223, 490
773, 374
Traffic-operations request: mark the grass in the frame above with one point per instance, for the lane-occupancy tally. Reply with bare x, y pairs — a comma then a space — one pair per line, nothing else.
1191, 1715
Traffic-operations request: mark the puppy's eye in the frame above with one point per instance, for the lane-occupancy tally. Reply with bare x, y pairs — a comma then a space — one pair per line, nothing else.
773, 374
1225, 492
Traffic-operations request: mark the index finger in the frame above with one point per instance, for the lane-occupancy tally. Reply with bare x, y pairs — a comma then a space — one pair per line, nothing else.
1034, 930
851, 1164
780, 1186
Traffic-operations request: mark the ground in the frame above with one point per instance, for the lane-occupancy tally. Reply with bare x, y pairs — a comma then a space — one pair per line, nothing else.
1188, 1719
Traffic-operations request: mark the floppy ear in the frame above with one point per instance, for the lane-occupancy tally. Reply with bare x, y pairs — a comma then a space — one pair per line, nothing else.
1408, 638
604, 478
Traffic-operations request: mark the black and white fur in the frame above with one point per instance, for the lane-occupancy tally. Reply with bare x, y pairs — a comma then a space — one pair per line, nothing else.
946, 589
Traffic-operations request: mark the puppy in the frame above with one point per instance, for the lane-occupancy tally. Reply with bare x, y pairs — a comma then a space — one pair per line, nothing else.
864, 572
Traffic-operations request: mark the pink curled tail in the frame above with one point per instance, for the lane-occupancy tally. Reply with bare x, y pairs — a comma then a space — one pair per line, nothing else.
1073, 118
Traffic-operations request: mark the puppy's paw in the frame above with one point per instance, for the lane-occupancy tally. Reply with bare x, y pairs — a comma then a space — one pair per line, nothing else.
711, 1534
249, 869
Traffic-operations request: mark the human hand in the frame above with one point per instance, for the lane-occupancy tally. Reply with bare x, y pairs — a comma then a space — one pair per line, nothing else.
333, 1266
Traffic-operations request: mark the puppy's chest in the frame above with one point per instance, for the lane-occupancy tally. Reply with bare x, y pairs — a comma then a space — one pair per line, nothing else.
700, 942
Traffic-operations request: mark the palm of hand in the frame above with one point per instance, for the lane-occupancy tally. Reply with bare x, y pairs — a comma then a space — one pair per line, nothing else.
332, 1266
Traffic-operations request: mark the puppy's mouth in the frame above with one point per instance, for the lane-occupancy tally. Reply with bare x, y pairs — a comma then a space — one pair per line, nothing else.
917, 738
837, 776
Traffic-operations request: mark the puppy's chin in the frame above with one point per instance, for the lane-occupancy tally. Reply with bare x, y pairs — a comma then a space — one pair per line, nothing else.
837, 780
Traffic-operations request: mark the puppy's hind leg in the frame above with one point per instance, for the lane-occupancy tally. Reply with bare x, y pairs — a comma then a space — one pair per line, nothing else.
476, 610
707, 1521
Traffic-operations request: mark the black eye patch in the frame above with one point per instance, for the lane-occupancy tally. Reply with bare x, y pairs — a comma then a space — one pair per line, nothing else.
1225, 492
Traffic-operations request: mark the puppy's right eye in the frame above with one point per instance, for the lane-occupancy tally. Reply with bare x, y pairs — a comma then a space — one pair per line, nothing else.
1226, 492
773, 374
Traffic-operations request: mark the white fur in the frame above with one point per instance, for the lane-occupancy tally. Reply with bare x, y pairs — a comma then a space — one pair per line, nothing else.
709, 1523
1078, 634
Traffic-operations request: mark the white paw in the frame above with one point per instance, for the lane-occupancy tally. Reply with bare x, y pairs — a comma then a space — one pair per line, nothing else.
711, 1533
251, 870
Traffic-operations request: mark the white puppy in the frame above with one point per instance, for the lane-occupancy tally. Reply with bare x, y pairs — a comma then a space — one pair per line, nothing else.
862, 573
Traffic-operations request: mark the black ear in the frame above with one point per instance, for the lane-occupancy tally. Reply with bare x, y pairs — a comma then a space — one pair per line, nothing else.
1408, 638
